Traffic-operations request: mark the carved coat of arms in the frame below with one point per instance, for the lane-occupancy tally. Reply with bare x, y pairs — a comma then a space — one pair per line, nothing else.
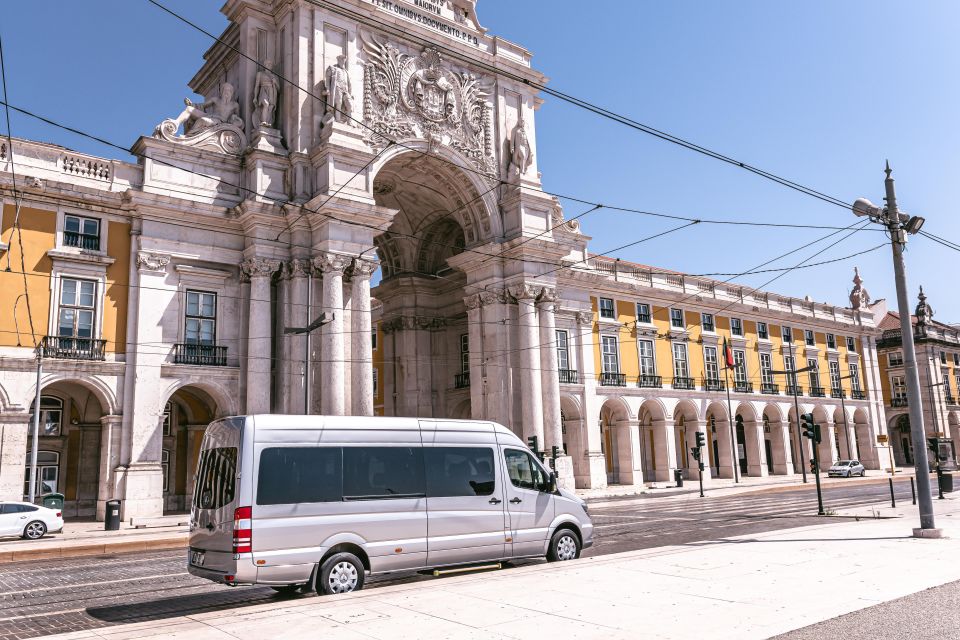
408, 96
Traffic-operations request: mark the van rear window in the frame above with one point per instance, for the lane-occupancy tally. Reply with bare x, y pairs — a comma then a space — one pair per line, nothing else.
291, 475
216, 478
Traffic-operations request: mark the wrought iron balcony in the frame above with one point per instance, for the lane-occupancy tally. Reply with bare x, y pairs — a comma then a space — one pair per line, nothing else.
769, 388
70, 348
461, 380
792, 390
569, 376
856, 394
205, 355
650, 382
898, 401
818, 392
713, 384
81, 240
613, 379
743, 387
684, 383
837, 393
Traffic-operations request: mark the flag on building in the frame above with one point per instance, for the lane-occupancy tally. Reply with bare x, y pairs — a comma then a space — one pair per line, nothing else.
727, 354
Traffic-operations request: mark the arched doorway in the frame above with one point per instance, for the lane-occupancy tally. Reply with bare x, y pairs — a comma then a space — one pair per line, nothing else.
901, 440
655, 442
686, 423
615, 440
184, 419
718, 441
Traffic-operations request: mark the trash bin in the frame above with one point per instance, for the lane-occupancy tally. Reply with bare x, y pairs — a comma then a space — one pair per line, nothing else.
111, 520
53, 501
946, 482
678, 477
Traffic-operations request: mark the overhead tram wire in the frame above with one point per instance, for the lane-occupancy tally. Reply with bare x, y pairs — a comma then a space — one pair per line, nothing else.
402, 34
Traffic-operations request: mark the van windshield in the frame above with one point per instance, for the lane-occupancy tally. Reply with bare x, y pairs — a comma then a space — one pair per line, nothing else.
216, 478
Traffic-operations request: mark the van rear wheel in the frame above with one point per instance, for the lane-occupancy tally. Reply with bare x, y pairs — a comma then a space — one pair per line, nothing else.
340, 573
564, 545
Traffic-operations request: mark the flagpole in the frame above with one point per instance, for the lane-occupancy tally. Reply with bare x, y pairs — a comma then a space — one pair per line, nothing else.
730, 418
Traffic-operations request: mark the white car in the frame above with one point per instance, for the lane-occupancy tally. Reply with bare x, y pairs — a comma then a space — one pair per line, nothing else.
29, 521
847, 469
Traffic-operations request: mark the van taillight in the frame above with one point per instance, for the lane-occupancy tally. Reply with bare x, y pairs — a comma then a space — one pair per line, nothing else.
243, 530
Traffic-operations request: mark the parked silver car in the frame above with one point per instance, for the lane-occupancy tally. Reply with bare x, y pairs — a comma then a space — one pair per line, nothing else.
847, 469
318, 502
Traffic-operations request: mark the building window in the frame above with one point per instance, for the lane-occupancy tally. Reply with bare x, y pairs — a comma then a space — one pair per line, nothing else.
465, 353
957, 380
855, 377
376, 382
899, 386
563, 350
808, 335
167, 418
711, 368
201, 318
766, 368
831, 341
786, 333
895, 359
676, 319
165, 466
373, 339
680, 369
611, 357
956, 359
643, 313
48, 473
740, 366
814, 373
945, 376
835, 375
707, 322
736, 327
762, 332
51, 415
943, 357
851, 345
647, 362
77, 308
606, 308
81, 232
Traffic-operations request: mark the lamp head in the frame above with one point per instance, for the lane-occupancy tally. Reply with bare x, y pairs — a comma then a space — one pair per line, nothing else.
863, 207
914, 224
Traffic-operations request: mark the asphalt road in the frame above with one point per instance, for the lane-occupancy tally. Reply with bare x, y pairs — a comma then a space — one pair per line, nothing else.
53, 596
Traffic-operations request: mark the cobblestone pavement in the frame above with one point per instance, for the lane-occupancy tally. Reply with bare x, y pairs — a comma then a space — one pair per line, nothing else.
54, 596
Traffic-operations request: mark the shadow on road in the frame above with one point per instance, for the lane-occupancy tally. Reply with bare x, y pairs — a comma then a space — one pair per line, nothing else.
187, 605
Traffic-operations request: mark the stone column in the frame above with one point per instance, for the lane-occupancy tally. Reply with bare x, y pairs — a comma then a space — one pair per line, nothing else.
14, 430
550, 379
259, 383
332, 265
361, 370
298, 279
628, 452
110, 429
756, 451
828, 445
665, 449
530, 382
724, 450
592, 436
782, 448
478, 381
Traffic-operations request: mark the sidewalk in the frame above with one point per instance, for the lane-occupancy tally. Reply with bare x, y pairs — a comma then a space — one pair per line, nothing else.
752, 586
87, 538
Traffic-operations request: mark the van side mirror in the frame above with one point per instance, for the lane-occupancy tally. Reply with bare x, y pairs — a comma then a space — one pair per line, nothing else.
551, 484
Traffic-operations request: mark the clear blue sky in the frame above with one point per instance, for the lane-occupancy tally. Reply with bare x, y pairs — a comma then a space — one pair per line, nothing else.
821, 92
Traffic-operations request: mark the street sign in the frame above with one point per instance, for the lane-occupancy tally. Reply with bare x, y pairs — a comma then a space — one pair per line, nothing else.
882, 438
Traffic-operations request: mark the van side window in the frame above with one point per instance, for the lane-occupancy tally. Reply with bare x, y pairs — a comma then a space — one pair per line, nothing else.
291, 475
383, 472
216, 478
459, 471
524, 472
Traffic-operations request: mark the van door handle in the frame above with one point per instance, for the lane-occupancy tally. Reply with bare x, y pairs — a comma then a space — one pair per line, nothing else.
516, 501
495, 500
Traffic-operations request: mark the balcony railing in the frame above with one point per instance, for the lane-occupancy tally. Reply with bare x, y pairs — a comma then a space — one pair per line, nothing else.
613, 379
950, 399
569, 376
713, 384
856, 394
650, 382
837, 393
818, 392
684, 383
68, 348
743, 387
461, 380
205, 355
792, 390
898, 401
769, 388
81, 240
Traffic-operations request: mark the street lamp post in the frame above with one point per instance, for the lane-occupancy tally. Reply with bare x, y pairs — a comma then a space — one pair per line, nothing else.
899, 226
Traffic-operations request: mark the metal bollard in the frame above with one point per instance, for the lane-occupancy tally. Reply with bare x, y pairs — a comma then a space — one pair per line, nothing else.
913, 490
893, 500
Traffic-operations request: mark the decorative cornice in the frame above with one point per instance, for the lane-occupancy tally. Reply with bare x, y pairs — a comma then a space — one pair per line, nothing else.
147, 261
259, 267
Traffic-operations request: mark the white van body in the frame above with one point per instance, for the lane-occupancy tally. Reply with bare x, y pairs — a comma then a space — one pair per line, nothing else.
276, 495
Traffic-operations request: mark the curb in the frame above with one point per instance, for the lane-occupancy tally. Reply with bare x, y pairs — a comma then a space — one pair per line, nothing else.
65, 551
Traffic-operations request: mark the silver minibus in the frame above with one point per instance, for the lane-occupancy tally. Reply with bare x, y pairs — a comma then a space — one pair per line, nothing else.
319, 502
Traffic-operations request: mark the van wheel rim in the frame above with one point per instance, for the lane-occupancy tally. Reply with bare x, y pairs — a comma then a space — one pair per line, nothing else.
343, 578
566, 548
34, 530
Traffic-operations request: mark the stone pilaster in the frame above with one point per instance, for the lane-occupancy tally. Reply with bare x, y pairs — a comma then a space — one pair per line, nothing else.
596, 478
362, 357
260, 271
14, 429
782, 449
110, 431
298, 283
478, 380
550, 381
530, 382
629, 453
664, 449
756, 450
332, 266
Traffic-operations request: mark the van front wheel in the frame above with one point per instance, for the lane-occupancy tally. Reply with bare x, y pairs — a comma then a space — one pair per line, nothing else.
564, 545
340, 573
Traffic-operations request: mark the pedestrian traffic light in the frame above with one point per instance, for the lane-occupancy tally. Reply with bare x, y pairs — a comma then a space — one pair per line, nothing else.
810, 430
554, 452
933, 444
532, 443
701, 439
696, 452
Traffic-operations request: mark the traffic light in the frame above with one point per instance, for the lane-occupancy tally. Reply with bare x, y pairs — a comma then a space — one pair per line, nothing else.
810, 430
554, 452
933, 444
701, 439
696, 452
532, 444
